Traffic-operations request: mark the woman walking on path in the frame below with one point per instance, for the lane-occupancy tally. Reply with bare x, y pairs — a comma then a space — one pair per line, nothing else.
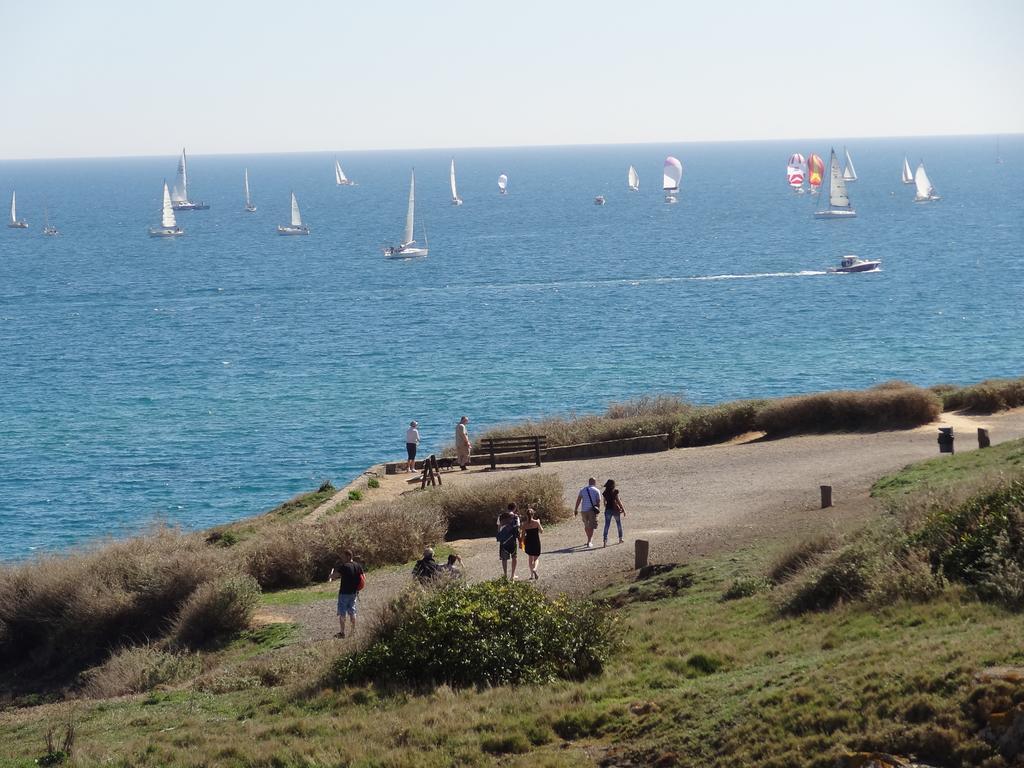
532, 529
612, 508
463, 447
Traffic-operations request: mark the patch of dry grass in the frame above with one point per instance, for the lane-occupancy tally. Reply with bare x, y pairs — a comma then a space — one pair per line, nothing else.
987, 397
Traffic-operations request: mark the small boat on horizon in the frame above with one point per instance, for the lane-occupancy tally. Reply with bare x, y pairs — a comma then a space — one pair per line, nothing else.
179, 195
599, 200
795, 172
633, 179
839, 206
925, 191
48, 229
340, 179
849, 264
296, 227
248, 200
15, 222
408, 249
503, 184
849, 172
456, 200
168, 224
908, 175
672, 174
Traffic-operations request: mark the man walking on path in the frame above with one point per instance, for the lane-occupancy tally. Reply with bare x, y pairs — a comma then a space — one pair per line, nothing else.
463, 447
350, 574
412, 440
590, 499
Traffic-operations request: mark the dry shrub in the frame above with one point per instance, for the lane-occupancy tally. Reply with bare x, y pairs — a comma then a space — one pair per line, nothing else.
215, 611
893, 407
987, 397
471, 510
137, 670
716, 424
800, 556
843, 577
64, 612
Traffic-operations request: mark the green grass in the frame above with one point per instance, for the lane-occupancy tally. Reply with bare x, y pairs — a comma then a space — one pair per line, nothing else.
300, 596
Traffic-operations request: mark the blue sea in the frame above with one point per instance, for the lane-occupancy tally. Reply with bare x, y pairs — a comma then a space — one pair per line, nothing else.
206, 378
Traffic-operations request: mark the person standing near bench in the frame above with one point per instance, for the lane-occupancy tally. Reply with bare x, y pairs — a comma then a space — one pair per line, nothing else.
463, 447
412, 440
590, 499
612, 508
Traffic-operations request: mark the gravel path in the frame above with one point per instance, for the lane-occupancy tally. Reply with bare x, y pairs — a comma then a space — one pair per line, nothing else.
690, 503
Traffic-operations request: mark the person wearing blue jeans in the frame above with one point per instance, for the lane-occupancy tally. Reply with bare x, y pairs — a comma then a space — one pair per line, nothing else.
612, 508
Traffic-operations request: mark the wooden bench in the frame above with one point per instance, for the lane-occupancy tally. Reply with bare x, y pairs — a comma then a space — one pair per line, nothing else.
496, 445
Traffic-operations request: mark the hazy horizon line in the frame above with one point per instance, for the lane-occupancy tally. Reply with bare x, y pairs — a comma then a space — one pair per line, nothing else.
993, 134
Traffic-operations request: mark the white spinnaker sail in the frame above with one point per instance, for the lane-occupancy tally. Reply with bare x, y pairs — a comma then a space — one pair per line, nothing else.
908, 175
451, 179
410, 214
167, 220
849, 172
339, 175
795, 176
180, 192
672, 174
503, 182
924, 184
14, 208
837, 196
296, 216
633, 179
248, 200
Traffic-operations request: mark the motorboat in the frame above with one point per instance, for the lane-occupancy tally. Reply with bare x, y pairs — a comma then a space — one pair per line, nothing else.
853, 264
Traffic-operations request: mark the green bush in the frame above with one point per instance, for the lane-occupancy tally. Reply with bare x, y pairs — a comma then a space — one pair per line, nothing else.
800, 556
844, 577
216, 611
745, 586
492, 633
373, 482
355, 495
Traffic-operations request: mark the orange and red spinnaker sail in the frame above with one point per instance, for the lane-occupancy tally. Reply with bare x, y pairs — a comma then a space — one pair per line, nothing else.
815, 171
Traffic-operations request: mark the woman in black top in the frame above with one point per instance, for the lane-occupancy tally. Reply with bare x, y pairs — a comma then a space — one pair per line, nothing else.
612, 508
532, 529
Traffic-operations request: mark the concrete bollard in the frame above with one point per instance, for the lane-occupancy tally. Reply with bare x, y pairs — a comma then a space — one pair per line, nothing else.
826, 496
641, 550
983, 439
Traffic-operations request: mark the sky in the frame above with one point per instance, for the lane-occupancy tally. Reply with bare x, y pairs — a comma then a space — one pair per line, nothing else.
122, 77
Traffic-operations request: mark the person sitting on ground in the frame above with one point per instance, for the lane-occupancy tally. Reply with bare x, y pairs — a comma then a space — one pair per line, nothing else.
426, 569
508, 540
453, 568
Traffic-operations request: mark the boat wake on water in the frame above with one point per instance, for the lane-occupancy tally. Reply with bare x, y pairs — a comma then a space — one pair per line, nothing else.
802, 273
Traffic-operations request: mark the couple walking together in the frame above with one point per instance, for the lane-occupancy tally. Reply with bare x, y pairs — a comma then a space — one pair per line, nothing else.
588, 504
512, 534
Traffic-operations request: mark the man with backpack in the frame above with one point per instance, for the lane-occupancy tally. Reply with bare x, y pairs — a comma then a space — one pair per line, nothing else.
590, 499
353, 579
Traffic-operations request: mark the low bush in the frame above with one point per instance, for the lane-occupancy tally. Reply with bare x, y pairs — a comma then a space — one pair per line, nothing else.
708, 425
887, 407
491, 633
471, 510
745, 586
800, 556
137, 670
987, 397
843, 577
215, 611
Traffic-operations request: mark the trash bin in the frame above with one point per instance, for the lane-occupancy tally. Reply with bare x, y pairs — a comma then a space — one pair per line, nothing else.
946, 440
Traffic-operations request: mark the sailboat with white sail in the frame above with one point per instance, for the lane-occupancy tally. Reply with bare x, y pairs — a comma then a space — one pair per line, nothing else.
48, 229
503, 184
849, 172
340, 179
672, 174
168, 225
15, 222
839, 206
908, 175
925, 191
296, 227
456, 200
249, 206
633, 179
408, 249
179, 195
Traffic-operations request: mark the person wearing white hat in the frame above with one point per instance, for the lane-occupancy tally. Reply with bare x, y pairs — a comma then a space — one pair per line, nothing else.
412, 440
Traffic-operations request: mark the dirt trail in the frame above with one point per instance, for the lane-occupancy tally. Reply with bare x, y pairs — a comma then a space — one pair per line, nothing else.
690, 502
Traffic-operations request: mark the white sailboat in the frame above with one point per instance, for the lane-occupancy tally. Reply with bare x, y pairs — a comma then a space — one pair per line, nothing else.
925, 190
503, 184
408, 248
340, 179
296, 227
48, 229
168, 225
849, 172
179, 195
908, 175
672, 174
248, 200
456, 200
633, 179
838, 200
15, 222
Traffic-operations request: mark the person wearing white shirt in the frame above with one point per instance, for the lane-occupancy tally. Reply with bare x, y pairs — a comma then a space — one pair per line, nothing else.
412, 440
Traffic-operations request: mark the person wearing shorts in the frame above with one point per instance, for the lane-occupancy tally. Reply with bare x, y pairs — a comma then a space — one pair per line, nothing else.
350, 574
589, 498
508, 540
412, 441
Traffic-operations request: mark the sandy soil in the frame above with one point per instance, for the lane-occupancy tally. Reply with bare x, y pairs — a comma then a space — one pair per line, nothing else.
689, 503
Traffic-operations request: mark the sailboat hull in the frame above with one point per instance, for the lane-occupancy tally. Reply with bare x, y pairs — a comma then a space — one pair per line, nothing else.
836, 214
456, 201
405, 253
166, 231
250, 208
928, 199
18, 225
188, 205
288, 229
